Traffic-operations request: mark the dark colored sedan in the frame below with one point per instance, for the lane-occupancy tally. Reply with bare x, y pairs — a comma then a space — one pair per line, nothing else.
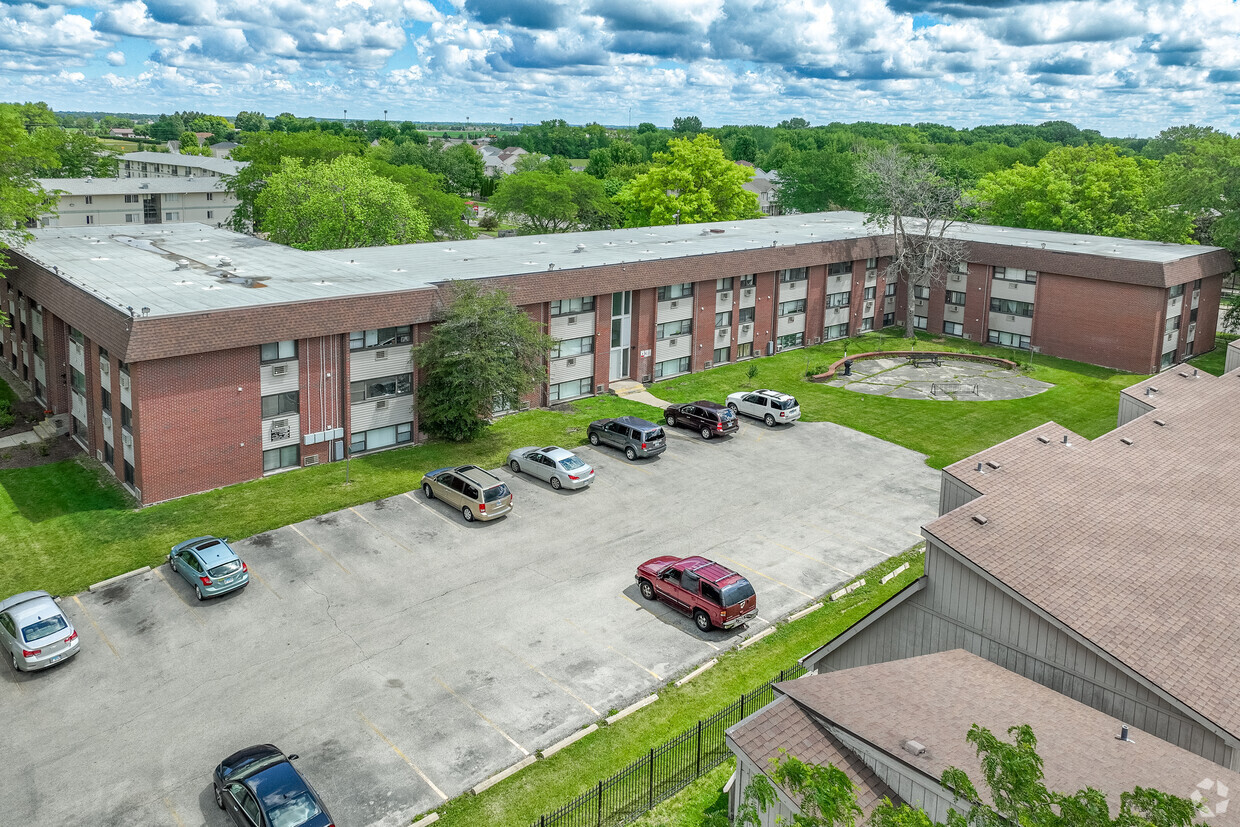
707, 418
258, 787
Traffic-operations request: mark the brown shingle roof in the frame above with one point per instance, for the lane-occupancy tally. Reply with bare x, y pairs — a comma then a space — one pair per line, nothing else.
934, 699
785, 725
1133, 546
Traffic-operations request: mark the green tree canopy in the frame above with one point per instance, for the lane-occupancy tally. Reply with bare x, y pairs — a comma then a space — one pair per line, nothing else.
483, 350
689, 123
819, 180
646, 126
1089, 189
189, 145
337, 204
547, 202
73, 154
794, 123
251, 122
1204, 179
426, 188
692, 179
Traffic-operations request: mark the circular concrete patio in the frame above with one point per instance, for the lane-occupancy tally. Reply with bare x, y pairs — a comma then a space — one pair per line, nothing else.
952, 380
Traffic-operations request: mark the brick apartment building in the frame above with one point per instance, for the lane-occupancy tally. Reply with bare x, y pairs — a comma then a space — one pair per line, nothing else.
191, 358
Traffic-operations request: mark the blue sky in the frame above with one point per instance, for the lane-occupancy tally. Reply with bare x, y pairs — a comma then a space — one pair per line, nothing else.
1125, 68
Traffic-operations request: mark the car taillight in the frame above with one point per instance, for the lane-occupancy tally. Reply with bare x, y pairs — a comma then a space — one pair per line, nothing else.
643, 446
574, 479
244, 567
206, 581
71, 637
482, 508
30, 653
718, 426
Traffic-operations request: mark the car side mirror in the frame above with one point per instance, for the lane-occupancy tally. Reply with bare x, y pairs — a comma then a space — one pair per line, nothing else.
294, 757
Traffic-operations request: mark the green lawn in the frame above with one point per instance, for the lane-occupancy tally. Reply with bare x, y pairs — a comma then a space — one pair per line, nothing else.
1085, 397
689, 807
1214, 361
550, 783
67, 525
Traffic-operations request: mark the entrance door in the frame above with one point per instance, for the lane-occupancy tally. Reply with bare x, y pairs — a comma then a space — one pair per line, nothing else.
621, 316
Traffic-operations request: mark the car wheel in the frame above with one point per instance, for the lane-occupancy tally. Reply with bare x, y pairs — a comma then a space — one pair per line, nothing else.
630, 453
647, 589
427, 492
170, 564
702, 620
732, 407
467, 514
705, 432
515, 466
219, 798
17, 666
198, 591
671, 420
556, 484
594, 439
770, 421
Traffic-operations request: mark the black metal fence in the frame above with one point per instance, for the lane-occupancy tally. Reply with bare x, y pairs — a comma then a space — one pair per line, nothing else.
665, 770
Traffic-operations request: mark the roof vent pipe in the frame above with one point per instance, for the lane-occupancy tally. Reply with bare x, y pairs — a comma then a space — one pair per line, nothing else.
1123, 734
979, 469
1065, 440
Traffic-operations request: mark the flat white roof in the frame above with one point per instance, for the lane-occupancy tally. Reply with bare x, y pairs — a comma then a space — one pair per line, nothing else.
137, 266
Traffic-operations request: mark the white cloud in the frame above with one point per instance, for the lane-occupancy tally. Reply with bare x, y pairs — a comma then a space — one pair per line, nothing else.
116, 58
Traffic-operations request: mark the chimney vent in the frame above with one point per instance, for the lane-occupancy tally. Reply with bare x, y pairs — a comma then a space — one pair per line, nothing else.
979, 468
914, 747
1044, 440
1125, 440
1159, 422
979, 519
993, 464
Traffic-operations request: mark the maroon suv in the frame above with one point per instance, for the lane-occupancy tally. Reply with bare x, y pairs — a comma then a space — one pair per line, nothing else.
714, 595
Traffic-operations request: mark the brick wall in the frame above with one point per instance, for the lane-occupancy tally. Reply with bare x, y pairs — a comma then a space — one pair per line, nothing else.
1105, 323
642, 332
764, 311
815, 302
703, 324
602, 340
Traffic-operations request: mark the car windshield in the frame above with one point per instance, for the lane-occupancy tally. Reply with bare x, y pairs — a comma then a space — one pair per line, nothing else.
295, 811
225, 569
571, 463
43, 628
497, 492
726, 414
737, 592
784, 404
651, 436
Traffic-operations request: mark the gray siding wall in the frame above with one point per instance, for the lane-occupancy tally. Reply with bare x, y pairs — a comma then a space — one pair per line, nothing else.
1130, 408
959, 609
913, 787
953, 493
780, 813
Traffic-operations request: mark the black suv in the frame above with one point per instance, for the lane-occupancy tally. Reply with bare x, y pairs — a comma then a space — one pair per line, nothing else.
707, 418
636, 437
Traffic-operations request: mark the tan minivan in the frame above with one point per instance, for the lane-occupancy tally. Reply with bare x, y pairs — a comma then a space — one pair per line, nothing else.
478, 494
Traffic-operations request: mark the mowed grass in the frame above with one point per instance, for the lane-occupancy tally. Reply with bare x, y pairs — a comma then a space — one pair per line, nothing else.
69, 524
550, 783
1215, 361
1085, 398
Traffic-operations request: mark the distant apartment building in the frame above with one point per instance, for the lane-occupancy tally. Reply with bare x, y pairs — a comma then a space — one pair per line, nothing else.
84, 202
192, 358
173, 165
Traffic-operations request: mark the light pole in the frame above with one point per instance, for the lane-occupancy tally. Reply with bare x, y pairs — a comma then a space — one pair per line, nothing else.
385, 116
346, 118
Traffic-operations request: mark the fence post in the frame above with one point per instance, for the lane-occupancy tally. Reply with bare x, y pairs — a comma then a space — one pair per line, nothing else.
698, 773
742, 706
543, 821
600, 803
650, 802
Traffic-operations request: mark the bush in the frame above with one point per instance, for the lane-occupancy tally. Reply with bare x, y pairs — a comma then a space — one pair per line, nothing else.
752, 370
488, 222
7, 419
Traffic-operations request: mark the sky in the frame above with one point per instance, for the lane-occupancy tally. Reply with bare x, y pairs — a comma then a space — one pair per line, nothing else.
1126, 68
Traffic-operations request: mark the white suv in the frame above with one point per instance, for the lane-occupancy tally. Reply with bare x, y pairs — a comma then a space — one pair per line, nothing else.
772, 407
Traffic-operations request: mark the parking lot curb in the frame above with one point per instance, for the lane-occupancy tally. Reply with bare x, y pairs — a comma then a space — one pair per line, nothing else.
105, 583
572, 739
697, 672
629, 710
423, 822
495, 779
804, 612
749, 641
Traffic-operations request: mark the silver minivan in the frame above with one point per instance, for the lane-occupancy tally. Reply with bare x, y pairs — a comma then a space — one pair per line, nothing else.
478, 494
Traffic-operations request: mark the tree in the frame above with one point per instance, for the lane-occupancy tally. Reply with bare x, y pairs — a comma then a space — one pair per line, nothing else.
1230, 323
547, 202
483, 350
251, 122
190, 146
21, 198
73, 154
744, 148
337, 204
646, 126
794, 123
1089, 189
690, 123
462, 168
1204, 180
1014, 779
692, 182
167, 128
906, 196
814, 181
426, 188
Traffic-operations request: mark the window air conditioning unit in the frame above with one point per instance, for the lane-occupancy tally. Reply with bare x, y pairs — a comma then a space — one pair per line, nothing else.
380, 355
869, 307
817, 340
313, 459
381, 405
674, 305
672, 342
279, 430
599, 388
1011, 318
955, 277
127, 440
124, 382
748, 293
525, 405
104, 368
570, 362
706, 366
792, 318
1014, 286
279, 370
99, 455
744, 328
725, 295
571, 320
722, 334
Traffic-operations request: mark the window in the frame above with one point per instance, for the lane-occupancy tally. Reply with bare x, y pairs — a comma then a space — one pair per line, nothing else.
953, 328
168, 216
103, 354
919, 322
377, 438
671, 367
210, 196
288, 456
126, 417
381, 337
210, 213
77, 381
75, 336
889, 319
889, 289
105, 401
870, 293
840, 299
1011, 274
871, 263
721, 355
675, 291
1192, 318
794, 306
835, 331
749, 280
744, 350
130, 218
839, 268
867, 323
1168, 359
723, 284
567, 307
667, 330
573, 347
280, 404
109, 455
723, 319
921, 291
961, 267
746, 315
38, 343
571, 389
793, 274
131, 199
955, 297
90, 199
366, 389
128, 473
1173, 323
1011, 307
1002, 337
278, 351
1176, 291
791, 340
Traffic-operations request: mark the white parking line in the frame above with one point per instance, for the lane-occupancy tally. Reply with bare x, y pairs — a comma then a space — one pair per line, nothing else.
404, 757
556, 683
767, 576
810, 556
431, 510
96, 625
387, 534
471, 708
320, 549
194, 614
617, 651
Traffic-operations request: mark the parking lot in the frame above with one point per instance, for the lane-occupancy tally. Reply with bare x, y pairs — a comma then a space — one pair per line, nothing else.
407, 655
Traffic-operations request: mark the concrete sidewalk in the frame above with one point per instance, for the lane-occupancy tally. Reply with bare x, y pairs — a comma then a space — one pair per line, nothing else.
638, 393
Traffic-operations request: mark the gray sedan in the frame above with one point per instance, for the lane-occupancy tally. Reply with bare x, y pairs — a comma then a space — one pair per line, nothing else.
35, 632
209, 565
558, 466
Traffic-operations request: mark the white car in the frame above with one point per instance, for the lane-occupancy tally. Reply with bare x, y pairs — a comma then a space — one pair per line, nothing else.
558, 466
35, 632
772, 407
